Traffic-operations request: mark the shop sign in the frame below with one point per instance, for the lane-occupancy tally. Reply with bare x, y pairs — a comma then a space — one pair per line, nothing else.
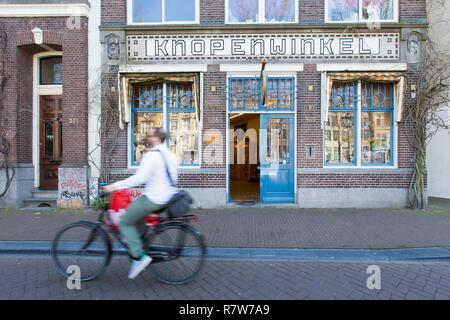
330, 46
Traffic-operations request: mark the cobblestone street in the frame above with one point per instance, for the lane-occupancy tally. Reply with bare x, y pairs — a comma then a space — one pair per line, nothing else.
34, 277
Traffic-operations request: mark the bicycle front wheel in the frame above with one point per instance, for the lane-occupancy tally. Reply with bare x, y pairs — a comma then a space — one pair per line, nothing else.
81, 247
178, 253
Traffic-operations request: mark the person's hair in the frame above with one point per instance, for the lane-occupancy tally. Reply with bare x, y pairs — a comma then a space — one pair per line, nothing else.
160, 133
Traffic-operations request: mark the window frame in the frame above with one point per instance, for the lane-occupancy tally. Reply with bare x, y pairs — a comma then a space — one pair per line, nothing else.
163, 22
360, 20
389, 110
260, 107
41, 70
358, 163
262, 14
166, 125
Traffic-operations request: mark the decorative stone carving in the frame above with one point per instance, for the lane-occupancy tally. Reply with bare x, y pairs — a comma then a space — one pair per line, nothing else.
413, 47
113, 47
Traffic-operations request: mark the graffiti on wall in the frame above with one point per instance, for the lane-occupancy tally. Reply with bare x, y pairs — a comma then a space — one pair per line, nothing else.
72, 188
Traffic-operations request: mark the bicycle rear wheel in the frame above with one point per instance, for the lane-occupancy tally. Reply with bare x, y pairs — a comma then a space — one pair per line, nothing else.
178, 253
82, 245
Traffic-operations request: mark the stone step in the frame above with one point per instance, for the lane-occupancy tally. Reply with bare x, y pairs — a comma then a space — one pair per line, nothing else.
45, 194
40, 202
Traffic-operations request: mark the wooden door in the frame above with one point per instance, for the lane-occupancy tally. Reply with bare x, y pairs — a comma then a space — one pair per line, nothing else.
50, 141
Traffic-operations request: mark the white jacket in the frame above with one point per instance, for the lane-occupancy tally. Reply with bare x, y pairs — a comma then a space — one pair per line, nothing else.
152, 172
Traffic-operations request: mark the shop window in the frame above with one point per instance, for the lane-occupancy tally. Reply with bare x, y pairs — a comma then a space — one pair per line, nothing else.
150, 102
246, 94
164, 11
51, 71
361, 10
376, 108
262, 11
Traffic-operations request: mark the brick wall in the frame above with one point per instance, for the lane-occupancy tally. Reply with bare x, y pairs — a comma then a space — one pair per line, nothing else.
353, 180
114, 12
20, 86
212, 12
413, 11
308, 121
311, 11
189, 180
214, 110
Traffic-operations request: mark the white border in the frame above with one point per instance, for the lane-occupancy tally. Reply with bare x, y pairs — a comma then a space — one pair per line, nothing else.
44, 10
360, 18
262, 14
163, 22
281, 67
160, 68
295, 113
40, 90
362, 66
94, 92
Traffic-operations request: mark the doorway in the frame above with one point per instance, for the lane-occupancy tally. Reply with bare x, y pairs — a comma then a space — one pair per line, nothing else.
261, 162
50, 141
244, 169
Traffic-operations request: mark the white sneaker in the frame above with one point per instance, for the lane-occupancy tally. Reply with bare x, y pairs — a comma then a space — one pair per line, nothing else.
138, 266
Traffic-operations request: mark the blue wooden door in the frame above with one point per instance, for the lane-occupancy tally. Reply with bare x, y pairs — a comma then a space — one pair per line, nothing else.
277, 158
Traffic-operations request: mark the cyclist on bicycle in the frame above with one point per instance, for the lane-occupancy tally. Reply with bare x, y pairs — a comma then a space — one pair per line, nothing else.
158, 191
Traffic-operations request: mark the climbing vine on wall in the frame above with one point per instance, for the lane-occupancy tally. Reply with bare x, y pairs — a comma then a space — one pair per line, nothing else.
7, 171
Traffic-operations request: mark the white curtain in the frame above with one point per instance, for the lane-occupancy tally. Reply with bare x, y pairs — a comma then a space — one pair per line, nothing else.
127, 80
392, 77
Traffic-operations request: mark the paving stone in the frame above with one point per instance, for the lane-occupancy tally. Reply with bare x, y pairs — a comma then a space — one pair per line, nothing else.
260, 280
260, 227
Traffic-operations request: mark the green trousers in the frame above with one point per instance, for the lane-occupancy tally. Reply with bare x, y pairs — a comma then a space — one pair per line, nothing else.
133, 221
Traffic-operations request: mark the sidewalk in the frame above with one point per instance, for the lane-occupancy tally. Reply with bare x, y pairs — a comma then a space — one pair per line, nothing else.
274, 227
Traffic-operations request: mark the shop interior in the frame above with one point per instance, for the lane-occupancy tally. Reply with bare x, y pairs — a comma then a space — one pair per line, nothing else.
245, 177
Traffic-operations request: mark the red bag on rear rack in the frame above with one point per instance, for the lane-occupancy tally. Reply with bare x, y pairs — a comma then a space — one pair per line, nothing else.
120, 201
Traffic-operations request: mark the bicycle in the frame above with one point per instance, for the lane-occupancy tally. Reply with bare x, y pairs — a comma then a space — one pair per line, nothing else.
95, 253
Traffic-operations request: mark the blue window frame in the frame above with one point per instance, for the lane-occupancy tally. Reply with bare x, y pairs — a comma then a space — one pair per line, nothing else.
377, 111
153, 102
376, 133
245, 94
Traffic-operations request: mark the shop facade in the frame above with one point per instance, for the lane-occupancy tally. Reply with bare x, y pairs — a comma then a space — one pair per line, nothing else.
322, 126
